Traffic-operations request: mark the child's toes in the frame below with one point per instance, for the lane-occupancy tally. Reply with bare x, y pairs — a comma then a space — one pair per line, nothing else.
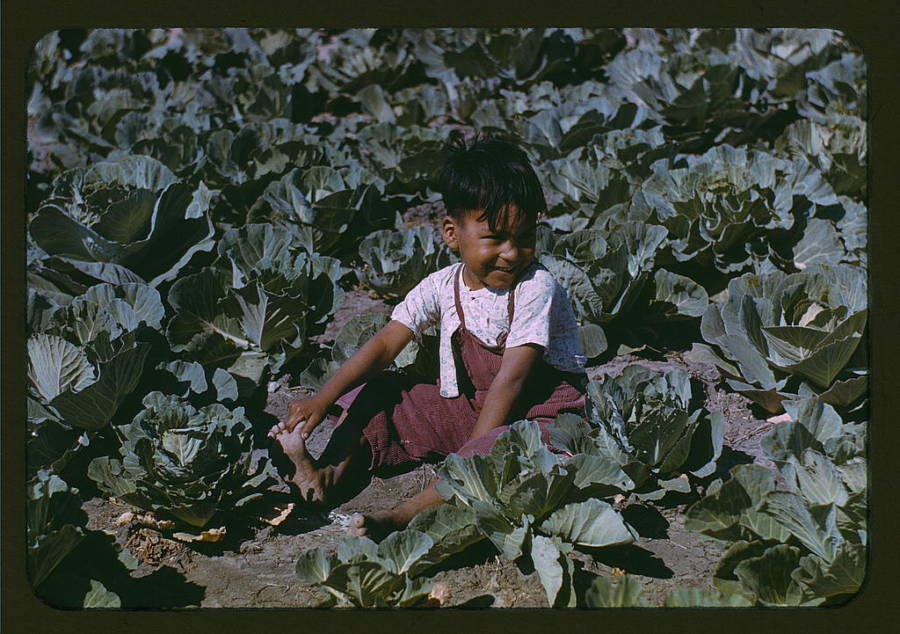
357, 526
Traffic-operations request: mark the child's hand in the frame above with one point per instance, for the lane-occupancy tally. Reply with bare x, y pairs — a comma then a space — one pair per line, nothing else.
310, 411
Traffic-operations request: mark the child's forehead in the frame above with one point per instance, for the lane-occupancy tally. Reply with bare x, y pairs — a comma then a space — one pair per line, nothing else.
508, 219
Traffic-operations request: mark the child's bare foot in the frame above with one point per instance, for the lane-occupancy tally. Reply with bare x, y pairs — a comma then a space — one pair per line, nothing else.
308, 479
376, 526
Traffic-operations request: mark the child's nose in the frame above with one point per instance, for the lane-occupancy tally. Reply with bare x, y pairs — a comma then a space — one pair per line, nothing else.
509, 250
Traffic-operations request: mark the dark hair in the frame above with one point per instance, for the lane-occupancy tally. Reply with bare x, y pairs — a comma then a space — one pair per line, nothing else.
489, 174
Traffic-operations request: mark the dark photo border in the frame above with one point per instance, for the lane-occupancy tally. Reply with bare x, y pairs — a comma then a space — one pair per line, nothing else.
873, 27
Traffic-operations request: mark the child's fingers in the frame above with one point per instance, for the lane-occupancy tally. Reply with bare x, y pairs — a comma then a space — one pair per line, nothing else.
291, 422
285, 425
311, 423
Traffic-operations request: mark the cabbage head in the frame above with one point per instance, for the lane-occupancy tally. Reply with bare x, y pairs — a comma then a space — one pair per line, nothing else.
785, 334
395, 261
613, 281
86, 357
728, 207
186, 462
123, 221
256, 306
650, 422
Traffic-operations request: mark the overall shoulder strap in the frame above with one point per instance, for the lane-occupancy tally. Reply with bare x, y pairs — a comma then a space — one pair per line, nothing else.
459, 312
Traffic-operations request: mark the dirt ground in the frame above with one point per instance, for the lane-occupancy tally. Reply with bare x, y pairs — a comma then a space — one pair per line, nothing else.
255, 567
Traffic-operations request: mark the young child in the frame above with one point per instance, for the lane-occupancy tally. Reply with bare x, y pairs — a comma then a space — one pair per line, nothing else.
509, 349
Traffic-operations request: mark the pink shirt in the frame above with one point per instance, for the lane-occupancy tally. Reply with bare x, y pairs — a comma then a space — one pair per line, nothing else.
543, 316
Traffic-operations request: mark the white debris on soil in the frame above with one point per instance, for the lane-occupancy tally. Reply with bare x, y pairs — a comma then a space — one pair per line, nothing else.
341, 519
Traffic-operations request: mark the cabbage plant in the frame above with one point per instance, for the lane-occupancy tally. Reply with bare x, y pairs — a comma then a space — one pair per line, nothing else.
403, 157
651, 424
84, 360
729, 207
369, 575
518, 493
804, 542
186, 462
612, 281
597, 181
256, 306
123, 221
54, 523
784, 334
395, 261
319, 204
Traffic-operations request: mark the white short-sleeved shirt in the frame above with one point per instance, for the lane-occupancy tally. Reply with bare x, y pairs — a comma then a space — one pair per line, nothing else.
542, 315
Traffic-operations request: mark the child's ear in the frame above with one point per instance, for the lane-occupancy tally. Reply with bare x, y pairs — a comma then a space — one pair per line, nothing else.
449, 228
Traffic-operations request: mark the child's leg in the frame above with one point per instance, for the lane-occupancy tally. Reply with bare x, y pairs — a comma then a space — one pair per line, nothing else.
379, 524
339, 474
344, 468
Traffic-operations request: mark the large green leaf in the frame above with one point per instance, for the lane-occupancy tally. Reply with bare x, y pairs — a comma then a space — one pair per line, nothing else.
451, 529
677, 296
139, 172
844, 575
268, 319
365, 584
56, 366
590, 523
94, 406
196, 300
314, 566
467, 479
769, 576
144, 300
402, 549
816, 478
507, 536
115, 274
814, 526
174, 239
172, 236
819, 245
555, 571
734, 501
845, 393
823, 365
110, 473
254, 248
47, 551
54, 524
128, 220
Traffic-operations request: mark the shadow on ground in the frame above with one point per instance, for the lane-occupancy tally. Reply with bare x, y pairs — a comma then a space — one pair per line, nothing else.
96, 558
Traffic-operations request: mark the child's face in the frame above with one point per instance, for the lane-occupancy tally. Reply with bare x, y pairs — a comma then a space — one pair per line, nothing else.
492, 258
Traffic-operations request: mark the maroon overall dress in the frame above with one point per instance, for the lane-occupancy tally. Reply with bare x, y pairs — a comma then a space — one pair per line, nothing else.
411, 422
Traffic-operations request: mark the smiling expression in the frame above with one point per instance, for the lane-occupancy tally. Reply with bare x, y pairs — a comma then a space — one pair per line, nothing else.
492, 258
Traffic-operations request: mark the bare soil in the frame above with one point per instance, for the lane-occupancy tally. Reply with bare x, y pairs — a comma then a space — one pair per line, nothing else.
253, 566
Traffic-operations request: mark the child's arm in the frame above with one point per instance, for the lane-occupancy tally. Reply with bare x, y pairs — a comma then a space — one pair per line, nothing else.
375, 355
515, 367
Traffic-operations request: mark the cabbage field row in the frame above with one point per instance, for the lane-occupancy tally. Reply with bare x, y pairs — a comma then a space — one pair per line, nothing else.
200, 201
